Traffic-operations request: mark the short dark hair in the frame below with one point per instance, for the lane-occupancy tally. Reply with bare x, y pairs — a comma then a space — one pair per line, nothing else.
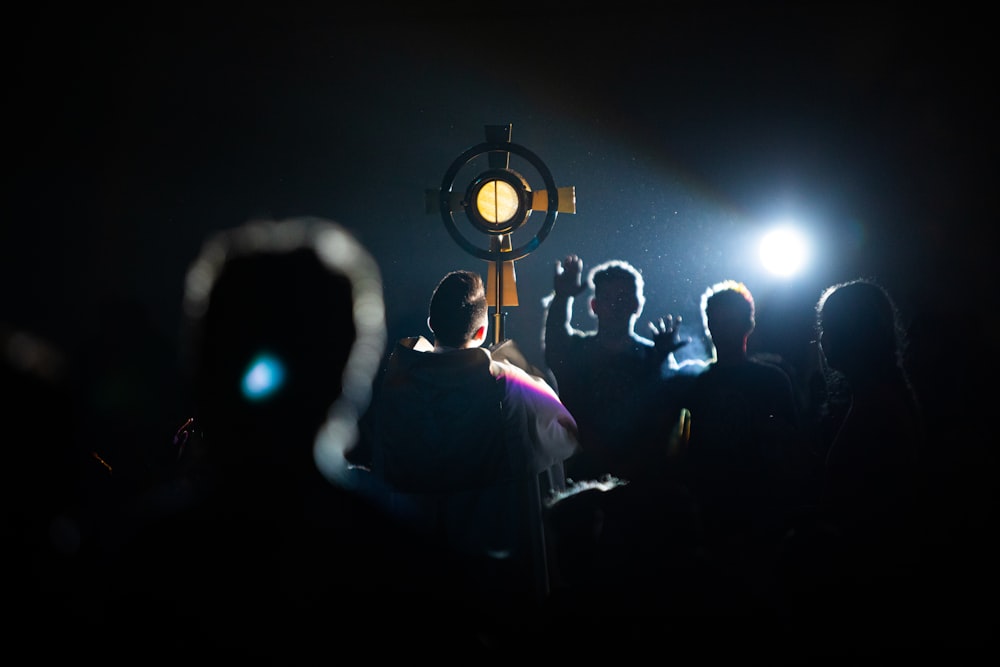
731, 299
615, 270
458, 307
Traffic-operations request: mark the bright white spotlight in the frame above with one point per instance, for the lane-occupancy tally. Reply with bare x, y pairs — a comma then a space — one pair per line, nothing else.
784, 251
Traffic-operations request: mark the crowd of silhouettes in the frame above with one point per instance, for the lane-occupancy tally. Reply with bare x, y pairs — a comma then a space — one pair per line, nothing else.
612, 498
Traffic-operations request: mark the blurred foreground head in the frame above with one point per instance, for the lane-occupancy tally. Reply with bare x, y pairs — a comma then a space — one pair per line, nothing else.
284, 331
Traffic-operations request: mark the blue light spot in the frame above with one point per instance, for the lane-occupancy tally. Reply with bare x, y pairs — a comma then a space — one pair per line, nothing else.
264, 377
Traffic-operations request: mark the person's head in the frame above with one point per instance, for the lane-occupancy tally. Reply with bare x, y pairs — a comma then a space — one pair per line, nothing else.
458, 313
728, 313
617, 291
284, 330
858, 328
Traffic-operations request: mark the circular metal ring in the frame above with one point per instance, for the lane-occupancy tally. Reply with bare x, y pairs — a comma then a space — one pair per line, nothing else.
449, 219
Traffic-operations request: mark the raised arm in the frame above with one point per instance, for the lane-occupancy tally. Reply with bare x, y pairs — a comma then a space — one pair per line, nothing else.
567, 284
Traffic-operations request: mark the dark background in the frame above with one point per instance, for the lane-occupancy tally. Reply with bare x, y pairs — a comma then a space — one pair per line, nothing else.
134, 133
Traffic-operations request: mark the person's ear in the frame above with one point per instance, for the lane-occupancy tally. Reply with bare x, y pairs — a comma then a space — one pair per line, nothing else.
429, 325
593, 305
480, 336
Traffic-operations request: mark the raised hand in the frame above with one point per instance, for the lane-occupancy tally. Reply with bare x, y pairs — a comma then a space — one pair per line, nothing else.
666, 337
568, 277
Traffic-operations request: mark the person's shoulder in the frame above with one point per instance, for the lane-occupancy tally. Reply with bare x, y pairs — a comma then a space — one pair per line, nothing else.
507, 368
517, 379
586, 337
641, 342
688, 368
767, 367
414, 343
577, 342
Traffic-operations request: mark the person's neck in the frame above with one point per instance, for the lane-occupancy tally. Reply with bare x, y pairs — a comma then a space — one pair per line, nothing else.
731, 355
615, 339
615, 332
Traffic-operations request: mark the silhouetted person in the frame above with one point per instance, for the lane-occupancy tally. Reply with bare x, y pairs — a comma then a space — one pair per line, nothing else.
609, 378
855, 566
275, 552
871, 468
462, 437
744, 415
744, 462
